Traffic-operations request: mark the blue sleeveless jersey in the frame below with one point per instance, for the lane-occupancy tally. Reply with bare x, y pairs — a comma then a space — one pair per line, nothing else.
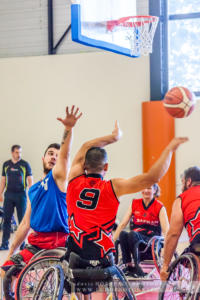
48, 206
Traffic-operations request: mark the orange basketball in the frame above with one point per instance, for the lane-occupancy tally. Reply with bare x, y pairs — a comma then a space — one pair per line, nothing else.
179, 102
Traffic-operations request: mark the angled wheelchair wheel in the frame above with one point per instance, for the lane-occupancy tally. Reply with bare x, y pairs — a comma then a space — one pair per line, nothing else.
48, 285
30, 276
156, 247
51, 284
121, 287
183, 274
60, 251
197, 293
7, 285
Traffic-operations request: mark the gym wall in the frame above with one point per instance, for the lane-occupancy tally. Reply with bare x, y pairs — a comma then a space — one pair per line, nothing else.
106, 87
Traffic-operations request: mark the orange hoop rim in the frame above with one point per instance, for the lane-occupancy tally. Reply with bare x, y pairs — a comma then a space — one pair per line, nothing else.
123, 21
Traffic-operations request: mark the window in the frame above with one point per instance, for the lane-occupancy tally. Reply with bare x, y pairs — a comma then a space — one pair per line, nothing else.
176, 50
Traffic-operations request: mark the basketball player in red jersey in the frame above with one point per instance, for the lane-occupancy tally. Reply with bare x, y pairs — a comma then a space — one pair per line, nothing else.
148, 218
185, 212
93, 202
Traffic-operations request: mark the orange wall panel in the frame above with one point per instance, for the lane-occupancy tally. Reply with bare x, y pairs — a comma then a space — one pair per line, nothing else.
158, 128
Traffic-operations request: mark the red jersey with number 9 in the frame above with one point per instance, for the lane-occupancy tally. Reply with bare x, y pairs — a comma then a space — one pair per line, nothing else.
190, 203
92, 207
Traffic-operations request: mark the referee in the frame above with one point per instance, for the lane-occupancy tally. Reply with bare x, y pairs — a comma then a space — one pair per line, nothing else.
16, 176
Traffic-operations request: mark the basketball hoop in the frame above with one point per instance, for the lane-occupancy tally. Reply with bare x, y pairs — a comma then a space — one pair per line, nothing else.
139, 31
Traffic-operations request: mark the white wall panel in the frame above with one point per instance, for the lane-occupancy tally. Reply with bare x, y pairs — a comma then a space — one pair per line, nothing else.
24, 27
106, 87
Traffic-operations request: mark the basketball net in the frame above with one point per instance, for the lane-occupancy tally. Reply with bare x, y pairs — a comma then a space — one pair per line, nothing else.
139, 31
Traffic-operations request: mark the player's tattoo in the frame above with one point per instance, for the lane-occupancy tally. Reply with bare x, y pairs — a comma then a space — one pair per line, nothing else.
66, 132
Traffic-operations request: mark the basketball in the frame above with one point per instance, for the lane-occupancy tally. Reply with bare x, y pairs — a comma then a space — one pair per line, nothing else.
179, 102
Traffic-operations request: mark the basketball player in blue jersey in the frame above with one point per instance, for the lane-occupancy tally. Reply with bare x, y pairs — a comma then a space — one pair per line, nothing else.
46, 212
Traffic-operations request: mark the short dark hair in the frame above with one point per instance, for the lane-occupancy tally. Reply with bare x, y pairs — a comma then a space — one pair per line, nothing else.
15, 147
156, 190
193, 173
54, 145
95, 159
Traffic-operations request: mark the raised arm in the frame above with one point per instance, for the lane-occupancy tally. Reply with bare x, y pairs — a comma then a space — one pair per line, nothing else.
123, 223
172, 237
77, 167
155, 173
60, 170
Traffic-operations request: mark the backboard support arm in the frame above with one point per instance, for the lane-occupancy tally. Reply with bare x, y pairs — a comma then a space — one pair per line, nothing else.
51, 48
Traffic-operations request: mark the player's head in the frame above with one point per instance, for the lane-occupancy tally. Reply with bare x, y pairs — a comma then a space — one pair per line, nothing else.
190, 177
50, 157
151, 192
16, 152
156, 190
96, 160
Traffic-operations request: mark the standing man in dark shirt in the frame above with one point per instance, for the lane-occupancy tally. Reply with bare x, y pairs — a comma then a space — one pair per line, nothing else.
16, 175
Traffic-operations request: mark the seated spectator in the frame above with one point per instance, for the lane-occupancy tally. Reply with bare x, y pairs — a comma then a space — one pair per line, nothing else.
148, 218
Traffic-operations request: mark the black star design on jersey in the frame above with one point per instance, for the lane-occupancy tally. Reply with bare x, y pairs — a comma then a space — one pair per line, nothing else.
76, 232
101, 236
194, 223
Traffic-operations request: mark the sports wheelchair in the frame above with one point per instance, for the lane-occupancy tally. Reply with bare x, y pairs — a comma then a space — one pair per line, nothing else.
150, 258
29, 275
149, 254
183, 280
66, 280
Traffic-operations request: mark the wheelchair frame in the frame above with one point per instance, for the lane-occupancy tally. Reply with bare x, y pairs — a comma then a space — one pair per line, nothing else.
57, 275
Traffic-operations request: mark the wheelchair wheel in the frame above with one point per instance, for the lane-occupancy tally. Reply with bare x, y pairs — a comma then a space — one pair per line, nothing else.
58, 252
156, 247
183, 273
121, 288
197, 294
30, 276
8, 280
51, 284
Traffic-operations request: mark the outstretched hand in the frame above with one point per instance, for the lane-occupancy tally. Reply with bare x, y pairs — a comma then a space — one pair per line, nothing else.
71, 117
176, 142
117, 133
